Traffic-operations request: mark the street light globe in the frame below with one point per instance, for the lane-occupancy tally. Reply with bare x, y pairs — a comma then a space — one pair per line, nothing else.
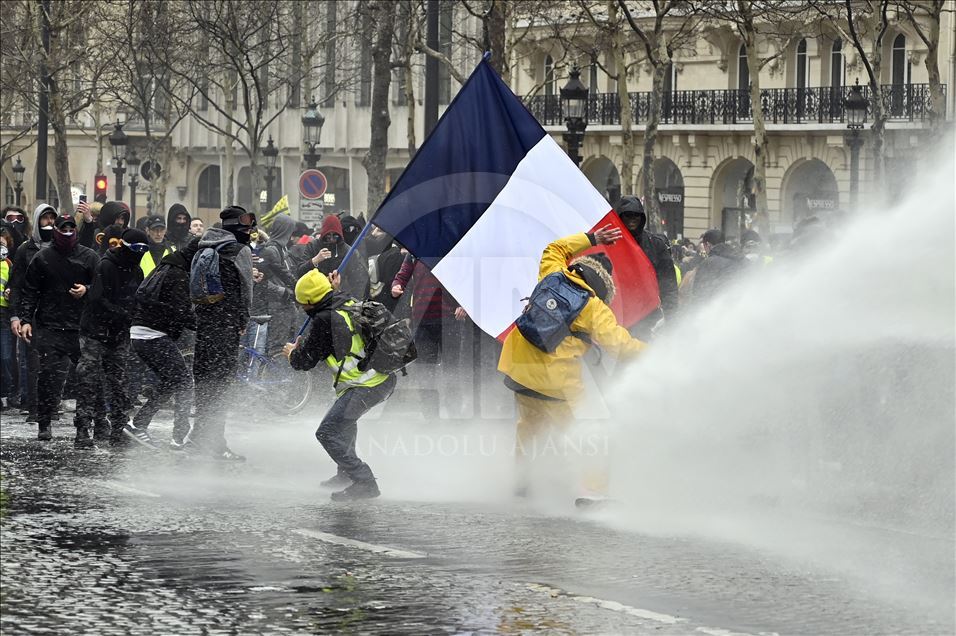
18, 170
312, 122
119, 141
855, 106
574, 98
271, 153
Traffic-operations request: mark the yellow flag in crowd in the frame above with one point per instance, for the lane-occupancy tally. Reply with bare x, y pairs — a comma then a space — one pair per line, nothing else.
281, 207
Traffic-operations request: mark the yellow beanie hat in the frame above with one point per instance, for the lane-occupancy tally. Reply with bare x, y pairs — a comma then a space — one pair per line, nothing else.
312, 287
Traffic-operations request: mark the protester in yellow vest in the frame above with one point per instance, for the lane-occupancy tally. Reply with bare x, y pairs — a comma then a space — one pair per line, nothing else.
333, 337
158, 246
7, 341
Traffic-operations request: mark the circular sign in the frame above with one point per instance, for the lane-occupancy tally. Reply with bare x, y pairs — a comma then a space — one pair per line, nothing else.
312, 184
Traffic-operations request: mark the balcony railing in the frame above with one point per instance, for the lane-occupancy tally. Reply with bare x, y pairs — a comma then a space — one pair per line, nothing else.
818, 105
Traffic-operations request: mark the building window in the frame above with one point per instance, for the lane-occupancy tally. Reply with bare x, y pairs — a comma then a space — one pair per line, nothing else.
743, 84
364, 97
802, 65
549, 76
901, 67
836, 64
209, 194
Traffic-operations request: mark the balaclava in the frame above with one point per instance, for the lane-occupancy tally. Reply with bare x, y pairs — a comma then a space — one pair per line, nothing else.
125, 254
65, 236
177, 232
232, 222
331, 232
21, 224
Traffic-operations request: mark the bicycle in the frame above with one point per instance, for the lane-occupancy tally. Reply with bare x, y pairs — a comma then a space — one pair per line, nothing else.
277, 384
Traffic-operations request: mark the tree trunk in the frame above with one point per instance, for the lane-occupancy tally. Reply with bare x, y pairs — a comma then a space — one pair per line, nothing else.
495, 29
937, 109
651, 206
624, 98
374, 160
760, 138
61, 151
879, 115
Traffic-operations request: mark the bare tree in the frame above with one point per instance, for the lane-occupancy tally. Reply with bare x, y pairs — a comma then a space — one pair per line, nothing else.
669, 28
382, 13
925, 17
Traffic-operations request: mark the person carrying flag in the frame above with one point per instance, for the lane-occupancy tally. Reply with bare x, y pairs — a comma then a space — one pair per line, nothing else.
547, 384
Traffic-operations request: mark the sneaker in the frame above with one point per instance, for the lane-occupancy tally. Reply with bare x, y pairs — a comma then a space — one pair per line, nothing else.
83, 439
358, 490
229, 456
139, 435
177, 445
338, 480
45, 432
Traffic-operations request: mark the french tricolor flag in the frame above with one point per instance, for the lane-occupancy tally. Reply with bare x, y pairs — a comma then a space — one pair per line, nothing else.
486, 193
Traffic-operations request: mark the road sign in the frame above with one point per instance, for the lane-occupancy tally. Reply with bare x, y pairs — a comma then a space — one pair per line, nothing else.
312, 184
311, 210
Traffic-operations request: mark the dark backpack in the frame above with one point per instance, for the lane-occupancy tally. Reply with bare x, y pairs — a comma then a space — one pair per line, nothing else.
149, 290
205, 283
388, 341
553, 305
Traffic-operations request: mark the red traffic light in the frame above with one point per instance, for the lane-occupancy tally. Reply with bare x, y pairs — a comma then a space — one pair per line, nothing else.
99, 188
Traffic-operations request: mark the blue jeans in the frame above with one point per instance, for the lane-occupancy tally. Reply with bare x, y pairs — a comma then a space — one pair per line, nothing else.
339, 427
8, 357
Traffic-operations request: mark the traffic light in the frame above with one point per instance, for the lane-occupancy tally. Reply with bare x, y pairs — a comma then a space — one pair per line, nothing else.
99, 188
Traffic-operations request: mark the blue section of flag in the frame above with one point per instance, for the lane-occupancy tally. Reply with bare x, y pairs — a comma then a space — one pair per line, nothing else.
460, 169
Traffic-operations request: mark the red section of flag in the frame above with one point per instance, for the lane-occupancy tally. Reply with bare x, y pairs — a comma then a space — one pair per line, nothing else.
634, 276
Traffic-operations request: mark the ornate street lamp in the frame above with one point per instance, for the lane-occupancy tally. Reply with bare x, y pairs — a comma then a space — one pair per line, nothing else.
312, 122
855, 106
133, 161
574, 104
18, 171
271, 153
119, 141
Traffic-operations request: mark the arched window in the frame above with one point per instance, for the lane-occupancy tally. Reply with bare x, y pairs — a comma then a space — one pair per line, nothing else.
901, 70
802, 66
549, 76
209, 191
743, 71
836, 64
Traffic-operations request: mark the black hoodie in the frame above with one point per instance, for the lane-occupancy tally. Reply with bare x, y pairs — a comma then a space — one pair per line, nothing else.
177, 235
173, 312
658, 253
109, 305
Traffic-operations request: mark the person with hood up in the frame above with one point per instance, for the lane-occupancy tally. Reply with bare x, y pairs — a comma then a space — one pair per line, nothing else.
327, 253
336, 339
29, 361
278, 284
351, 228
547, 386
219, 326
49, 308
104, 343
163, 312
655, 247
111, 213
158, 245
178, 222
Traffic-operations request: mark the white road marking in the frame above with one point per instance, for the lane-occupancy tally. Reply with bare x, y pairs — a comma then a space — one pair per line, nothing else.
119, 487
614, 606
361, 545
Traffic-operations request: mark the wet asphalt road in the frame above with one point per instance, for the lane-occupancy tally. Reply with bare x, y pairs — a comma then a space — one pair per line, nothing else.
108, 542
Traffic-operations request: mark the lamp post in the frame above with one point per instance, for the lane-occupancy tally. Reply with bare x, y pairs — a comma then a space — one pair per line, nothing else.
18, 171
271, 153
855, 106
133, 162
574, 104
119, 141
312, 122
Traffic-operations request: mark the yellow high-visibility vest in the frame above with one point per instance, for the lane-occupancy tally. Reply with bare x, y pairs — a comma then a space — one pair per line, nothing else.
351, 375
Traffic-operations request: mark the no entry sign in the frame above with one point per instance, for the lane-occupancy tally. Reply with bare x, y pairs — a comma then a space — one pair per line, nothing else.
312, 184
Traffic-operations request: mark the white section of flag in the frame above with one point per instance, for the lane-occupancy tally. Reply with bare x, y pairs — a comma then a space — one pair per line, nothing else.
495, 264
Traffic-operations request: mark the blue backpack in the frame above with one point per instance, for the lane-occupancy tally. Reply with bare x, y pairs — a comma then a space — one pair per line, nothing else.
552, 307
205, 284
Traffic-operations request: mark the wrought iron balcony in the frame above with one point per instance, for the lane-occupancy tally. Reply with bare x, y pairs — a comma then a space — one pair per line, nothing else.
818, 105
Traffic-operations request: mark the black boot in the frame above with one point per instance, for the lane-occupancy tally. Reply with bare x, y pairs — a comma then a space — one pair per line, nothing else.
45, 432
338, 480
84, 438
101, 430
367, 489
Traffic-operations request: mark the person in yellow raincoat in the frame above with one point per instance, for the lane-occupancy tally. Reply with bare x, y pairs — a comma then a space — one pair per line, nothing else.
547, 385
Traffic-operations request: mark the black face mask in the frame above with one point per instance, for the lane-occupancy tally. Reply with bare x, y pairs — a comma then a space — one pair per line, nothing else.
46, 234
242, 233
18, 225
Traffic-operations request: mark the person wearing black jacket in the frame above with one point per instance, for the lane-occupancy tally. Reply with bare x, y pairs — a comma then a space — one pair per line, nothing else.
278, 283
41, 234
112, 213
162, 313
655, 247
218, 328
104, 343
327, 254
177, 226
50, 306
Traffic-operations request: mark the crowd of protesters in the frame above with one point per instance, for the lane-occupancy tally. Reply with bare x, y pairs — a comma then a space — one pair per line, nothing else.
93, 306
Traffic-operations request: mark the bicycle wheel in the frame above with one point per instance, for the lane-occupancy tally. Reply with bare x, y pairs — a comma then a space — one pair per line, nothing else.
283, 389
